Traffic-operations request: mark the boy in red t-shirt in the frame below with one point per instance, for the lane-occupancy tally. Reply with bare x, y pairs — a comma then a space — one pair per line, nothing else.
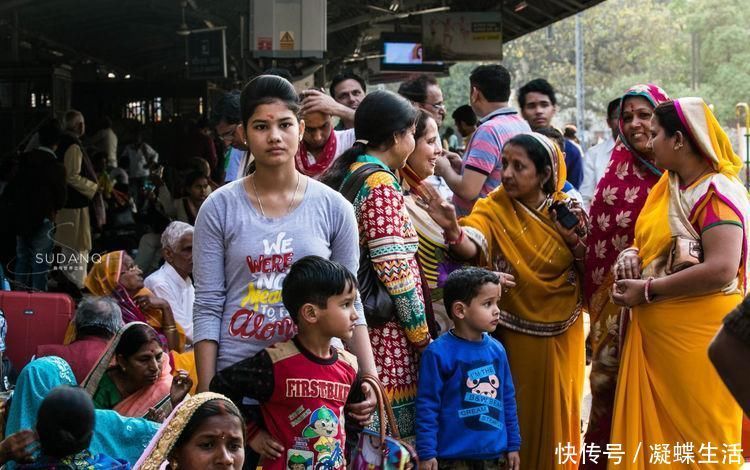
303, 384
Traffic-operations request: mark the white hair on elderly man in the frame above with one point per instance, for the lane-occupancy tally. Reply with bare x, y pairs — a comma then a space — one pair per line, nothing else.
173, 233
99, 313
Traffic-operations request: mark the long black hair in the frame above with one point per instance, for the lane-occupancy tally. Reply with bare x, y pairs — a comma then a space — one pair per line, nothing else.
421, 125
379, 117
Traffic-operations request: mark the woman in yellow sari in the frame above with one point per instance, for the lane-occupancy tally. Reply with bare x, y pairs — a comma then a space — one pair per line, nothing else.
667, 390
514, 230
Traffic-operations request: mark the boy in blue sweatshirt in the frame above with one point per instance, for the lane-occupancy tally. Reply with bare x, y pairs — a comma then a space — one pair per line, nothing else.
466, 407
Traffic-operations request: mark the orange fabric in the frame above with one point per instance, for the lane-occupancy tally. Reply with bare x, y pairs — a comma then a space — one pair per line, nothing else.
104, 276
713, 211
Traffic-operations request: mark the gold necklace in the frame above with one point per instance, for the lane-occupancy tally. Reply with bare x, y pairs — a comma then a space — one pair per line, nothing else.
291, 203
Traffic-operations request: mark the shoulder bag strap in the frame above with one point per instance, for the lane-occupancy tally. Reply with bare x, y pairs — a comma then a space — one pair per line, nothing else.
353, 184
387, 417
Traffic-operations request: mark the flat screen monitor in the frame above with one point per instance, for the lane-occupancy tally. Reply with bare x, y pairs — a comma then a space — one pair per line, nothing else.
403, 52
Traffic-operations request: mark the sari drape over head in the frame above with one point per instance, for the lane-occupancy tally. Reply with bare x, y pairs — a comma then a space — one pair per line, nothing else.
618, 200
139, 403
667, 389
540, 324
157, 453
114, 435
104, 280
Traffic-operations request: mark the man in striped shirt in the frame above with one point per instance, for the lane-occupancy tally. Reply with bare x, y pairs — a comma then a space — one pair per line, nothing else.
481, 169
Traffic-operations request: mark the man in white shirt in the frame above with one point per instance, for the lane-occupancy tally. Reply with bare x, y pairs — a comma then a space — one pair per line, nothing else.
172, 281
105, 140
597, 159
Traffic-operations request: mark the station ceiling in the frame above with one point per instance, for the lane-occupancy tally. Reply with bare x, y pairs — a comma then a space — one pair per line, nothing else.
140, 37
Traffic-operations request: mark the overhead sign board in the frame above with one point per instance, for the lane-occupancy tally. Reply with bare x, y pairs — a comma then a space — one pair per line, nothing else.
462, 36
207, 54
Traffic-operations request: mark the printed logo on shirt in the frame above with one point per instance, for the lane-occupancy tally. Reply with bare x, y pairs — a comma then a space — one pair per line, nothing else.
299, 459
323, 430
482, 406
314, 388
262, 315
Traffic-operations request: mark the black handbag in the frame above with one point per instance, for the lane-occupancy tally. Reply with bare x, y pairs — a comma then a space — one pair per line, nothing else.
376, 301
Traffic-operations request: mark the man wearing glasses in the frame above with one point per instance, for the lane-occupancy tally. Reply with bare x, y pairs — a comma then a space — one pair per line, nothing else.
426, 94
227, 120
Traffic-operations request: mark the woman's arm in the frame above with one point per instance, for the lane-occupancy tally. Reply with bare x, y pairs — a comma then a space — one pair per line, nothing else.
722, 249
361, 347
168, 323
206, 352
443, 213
210, 289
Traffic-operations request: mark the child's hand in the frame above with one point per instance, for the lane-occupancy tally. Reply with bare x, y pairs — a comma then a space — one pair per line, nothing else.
514, 461
266, 446
428, 464
362, 411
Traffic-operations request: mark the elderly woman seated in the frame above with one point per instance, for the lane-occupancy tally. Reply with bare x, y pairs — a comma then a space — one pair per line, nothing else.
133, 376
117, 276
96, 321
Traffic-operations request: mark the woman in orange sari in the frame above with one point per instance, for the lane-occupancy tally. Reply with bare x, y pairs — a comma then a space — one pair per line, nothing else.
618, 199
515, 230
133, 376
686, 271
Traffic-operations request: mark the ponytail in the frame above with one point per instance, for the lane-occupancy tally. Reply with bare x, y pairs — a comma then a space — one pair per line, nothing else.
380, 116
335, 175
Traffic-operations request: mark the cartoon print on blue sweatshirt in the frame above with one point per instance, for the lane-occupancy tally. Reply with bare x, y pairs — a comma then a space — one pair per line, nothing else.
480, 408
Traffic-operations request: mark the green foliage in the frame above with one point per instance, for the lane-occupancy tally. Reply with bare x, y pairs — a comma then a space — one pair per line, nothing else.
634, 41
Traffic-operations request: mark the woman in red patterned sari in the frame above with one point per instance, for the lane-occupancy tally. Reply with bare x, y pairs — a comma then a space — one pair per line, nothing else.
618, 200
